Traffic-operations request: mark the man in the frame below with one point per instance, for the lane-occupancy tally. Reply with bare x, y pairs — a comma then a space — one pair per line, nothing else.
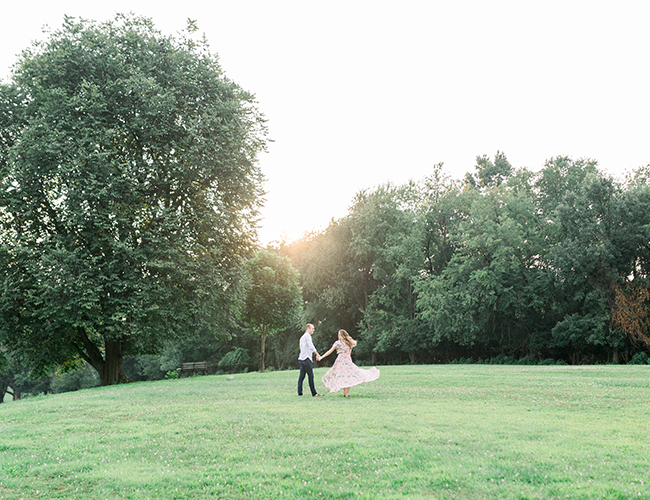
307, 349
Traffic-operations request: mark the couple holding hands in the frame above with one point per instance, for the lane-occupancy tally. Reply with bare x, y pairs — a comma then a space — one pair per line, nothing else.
343, 374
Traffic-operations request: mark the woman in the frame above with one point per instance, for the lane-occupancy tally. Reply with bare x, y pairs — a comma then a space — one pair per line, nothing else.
344, 373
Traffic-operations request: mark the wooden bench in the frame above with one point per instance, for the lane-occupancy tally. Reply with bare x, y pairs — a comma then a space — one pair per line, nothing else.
195, 367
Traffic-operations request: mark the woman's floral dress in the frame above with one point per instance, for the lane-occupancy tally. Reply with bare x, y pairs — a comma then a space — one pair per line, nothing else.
344, 373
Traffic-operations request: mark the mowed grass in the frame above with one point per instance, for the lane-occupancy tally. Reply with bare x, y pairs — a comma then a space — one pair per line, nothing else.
443, 431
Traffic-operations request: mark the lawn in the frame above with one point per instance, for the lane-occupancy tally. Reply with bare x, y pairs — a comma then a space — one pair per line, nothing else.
442, 431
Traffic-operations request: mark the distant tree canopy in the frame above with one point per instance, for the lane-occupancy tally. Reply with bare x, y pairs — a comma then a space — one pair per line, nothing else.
549, 264
129, 192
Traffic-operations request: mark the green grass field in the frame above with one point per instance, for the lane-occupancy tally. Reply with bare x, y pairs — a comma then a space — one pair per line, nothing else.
443, 431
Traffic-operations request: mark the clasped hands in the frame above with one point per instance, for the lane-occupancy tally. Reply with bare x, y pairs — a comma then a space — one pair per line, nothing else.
318, 357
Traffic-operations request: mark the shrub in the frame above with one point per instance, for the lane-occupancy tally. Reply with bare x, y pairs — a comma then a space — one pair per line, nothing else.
461, 361
501, 359
83, 378
150, 367
640, 358
235, 360
527, 360
147, 367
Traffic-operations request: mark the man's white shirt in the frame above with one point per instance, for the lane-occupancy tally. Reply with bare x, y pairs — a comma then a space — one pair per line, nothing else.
307, 348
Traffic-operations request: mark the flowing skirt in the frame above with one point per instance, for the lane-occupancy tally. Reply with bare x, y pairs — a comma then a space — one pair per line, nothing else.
344, 373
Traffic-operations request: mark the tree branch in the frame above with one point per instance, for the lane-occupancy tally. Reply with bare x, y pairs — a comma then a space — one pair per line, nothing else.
92, 354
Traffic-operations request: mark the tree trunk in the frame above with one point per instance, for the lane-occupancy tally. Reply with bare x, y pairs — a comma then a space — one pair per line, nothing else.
109, 364
412, 357
263, 342
616, 360
111, 371
373, 358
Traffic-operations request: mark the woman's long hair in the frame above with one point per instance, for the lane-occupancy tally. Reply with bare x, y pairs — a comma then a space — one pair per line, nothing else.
345, 337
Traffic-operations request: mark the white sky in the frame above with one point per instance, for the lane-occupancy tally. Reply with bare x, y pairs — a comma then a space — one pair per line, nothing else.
359, 93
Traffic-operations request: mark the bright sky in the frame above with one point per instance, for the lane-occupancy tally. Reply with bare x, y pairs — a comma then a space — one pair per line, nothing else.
358, 93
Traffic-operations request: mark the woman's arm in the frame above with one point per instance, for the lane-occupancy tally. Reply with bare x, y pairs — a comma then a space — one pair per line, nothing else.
329, 352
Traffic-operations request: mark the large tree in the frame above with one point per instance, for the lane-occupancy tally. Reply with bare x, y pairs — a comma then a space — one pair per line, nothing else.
387, 236
129, 192
274, 298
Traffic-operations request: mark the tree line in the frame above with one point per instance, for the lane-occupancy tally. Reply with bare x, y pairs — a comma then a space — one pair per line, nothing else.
503, 264
129, 198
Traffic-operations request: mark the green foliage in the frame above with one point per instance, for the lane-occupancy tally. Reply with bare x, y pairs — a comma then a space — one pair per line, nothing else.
83, 378
639, 358
274, 298
18, 380
503, 360
489, 291
128, 194
489, 173
511, 262
146, 367
527, 360
235, 360
590, 251
333, 280
440, 210
385, 236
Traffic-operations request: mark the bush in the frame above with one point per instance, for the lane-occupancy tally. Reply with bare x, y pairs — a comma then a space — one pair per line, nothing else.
503, 360
527, 360
148, 367
84, 378
235, 360
640, 358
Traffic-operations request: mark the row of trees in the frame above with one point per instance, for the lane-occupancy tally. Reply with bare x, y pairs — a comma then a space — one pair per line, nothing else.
516, 264
507, 262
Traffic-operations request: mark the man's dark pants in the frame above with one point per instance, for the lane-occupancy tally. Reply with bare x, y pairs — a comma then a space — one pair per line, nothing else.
306, 367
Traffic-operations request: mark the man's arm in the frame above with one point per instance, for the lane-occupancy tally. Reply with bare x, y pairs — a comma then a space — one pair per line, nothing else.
313, 349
